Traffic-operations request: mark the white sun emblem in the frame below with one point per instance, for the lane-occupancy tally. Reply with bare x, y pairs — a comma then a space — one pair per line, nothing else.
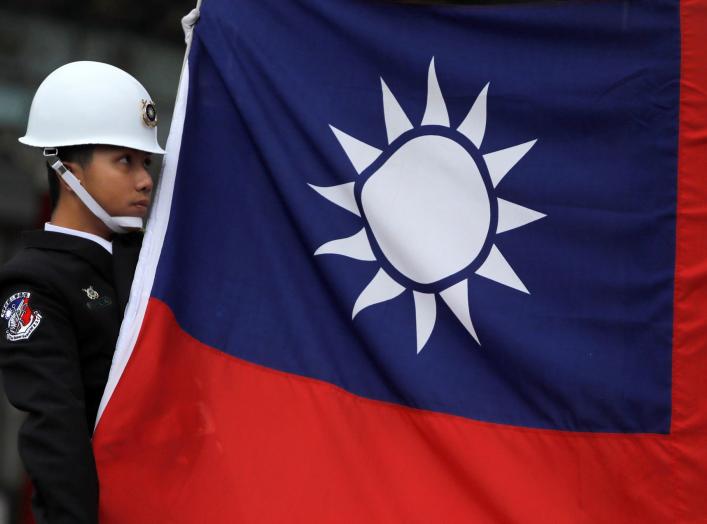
429, 209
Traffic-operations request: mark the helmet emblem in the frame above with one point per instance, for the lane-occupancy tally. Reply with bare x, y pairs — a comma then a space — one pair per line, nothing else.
149, 113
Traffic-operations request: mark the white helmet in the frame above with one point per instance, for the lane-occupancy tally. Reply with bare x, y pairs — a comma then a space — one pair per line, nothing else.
85, 103
92, 103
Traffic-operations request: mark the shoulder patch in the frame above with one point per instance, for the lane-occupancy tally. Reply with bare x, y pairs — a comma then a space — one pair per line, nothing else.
21, 319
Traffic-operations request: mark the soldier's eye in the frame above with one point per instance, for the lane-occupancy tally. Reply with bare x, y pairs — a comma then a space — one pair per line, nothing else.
125, 159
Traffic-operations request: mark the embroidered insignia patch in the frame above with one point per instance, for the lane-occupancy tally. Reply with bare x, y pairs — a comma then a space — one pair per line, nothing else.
21, 319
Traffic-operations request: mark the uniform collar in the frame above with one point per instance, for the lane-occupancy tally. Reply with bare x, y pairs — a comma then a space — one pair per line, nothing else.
86, 249
105, 244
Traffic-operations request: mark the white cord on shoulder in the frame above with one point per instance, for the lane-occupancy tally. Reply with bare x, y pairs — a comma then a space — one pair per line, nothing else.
115, 224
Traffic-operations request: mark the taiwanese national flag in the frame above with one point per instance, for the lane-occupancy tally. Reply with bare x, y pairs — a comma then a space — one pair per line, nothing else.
423, 263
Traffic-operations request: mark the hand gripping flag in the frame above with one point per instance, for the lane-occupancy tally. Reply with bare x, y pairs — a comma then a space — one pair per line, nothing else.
422, 263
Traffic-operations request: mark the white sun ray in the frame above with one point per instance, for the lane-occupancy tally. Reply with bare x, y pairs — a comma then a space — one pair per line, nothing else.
512, 216
425, 317
436, 109
341, 195
474, 125
396, 121
380, 289
499, 163
457, 298
360, 154
355, 246
496, 268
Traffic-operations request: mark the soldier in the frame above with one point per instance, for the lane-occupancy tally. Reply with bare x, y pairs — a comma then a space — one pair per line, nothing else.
62, 297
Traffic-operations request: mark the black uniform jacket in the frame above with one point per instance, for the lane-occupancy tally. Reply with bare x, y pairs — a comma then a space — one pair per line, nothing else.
62, 299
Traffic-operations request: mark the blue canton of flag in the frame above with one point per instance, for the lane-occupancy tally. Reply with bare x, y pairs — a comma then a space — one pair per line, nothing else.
434, 212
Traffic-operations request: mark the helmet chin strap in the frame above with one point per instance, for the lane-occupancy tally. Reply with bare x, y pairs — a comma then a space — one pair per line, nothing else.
115, 224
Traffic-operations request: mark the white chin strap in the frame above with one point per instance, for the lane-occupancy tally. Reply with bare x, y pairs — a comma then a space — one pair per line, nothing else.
115, 224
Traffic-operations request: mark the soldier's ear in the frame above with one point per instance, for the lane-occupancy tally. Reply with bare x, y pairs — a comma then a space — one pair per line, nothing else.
76, 169
63, 187
78, 172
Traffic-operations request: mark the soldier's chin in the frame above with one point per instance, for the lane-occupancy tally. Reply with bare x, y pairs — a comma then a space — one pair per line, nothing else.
133, 214
141, 228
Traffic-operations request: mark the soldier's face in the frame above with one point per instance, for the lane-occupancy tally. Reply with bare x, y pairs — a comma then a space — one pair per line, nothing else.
118, 178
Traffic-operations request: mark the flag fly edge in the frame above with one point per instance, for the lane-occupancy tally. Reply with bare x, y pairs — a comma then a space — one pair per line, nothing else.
689, 404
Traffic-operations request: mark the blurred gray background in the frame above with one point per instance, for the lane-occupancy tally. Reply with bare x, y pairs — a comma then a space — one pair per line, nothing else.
142, 37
